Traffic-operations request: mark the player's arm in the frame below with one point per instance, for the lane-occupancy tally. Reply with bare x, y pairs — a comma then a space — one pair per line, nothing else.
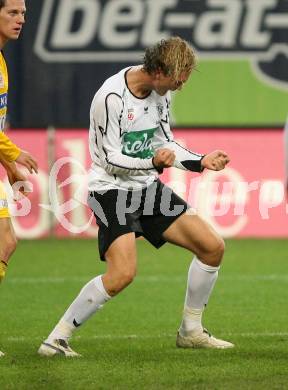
15, 176
107, 118
186, 159
9, 152
191, 161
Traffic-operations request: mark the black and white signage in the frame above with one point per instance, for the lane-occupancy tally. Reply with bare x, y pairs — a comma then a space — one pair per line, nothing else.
70, 46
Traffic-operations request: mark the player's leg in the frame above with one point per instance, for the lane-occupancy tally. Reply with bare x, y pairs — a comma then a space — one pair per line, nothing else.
8, 240
121, 258
8, 243
196, 235
121, 269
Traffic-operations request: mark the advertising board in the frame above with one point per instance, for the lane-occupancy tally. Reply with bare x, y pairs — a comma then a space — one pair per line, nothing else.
247, 199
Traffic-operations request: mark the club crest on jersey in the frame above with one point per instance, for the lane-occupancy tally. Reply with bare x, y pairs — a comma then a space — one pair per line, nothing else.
160, 108
139, 143
130, 114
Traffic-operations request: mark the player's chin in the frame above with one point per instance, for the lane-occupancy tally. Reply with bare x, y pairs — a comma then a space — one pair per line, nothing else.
15, 35
162, 92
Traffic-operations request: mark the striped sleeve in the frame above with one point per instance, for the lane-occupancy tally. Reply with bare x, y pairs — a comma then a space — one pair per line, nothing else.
185, 159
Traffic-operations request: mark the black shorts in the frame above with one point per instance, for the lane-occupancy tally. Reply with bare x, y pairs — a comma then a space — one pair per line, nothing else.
147, 212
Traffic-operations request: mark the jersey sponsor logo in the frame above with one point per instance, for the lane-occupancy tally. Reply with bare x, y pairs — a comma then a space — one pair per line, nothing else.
3, 100
109, 30
139, 143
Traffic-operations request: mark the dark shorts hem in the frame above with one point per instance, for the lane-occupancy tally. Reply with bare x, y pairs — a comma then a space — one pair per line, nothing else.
149, 225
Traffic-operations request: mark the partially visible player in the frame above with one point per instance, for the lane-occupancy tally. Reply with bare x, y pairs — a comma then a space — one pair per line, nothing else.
12, 18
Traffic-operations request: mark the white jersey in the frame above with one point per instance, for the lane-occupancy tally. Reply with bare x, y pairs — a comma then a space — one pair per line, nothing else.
125, 131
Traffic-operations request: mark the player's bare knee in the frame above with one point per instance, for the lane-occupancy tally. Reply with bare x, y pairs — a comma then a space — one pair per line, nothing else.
118, 283
116, 279
126, 277
8, 248
12, 245
220, 248
213, 253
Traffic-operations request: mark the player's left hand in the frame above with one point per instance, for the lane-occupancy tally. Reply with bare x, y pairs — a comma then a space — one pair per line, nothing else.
216, 161
28, 161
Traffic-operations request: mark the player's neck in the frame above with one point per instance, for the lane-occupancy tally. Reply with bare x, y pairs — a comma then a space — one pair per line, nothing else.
3, 42
138, 82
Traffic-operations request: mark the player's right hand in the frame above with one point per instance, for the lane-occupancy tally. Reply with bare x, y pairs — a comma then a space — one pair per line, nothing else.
19, 183
28, 161
216, 161
164, 158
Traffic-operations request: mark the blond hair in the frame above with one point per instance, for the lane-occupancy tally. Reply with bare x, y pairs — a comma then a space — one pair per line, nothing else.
172, 56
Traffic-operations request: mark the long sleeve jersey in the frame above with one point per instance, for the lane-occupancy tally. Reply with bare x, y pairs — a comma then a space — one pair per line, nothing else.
8, 150
125, 131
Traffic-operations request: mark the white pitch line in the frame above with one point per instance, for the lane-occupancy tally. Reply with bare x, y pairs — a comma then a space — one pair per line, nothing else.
149, 279
134, 336
147, 337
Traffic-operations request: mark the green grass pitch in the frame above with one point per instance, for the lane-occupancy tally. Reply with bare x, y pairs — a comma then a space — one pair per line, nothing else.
130, 344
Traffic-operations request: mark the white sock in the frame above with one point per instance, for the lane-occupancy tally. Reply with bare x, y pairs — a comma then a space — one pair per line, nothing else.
90, 299
201, 280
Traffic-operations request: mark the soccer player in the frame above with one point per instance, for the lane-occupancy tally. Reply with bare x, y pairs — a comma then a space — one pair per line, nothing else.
130, 144
11, 21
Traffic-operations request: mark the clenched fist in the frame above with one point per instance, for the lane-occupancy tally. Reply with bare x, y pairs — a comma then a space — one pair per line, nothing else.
163, 158
216, 161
